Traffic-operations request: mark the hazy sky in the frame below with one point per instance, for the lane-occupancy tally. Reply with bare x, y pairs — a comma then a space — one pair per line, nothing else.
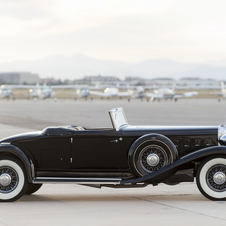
127, 30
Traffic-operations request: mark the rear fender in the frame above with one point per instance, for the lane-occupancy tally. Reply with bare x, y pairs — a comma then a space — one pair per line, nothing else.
11, 149
188, 158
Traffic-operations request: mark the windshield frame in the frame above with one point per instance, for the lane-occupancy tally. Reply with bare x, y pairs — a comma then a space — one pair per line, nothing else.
118, 118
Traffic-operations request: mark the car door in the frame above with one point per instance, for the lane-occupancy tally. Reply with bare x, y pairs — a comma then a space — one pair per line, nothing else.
55, 152
97, 150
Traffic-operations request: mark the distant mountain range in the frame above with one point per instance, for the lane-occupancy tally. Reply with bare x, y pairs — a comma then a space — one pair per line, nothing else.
78, 66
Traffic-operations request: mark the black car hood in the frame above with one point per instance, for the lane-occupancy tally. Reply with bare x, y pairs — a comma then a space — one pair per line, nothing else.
22, 136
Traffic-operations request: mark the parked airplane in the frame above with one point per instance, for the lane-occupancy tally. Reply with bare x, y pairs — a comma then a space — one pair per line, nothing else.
85, 91
34, 91
6, 93
222, 93
112, 92
127, 94
41, 92
81, 93
139, 92
166, 93
46, 92
82, 90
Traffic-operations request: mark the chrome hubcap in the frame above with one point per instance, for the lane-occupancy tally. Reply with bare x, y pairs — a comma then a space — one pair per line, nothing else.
5, 179
219, 178
153, 159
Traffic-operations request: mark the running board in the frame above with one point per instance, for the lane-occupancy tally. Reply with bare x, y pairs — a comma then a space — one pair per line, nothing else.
65, 180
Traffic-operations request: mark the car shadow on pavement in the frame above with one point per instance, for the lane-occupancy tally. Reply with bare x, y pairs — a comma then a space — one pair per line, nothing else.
111, 198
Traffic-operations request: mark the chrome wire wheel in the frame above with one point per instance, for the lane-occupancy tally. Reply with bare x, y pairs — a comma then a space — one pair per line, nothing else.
152, 158
216, 178
8, 179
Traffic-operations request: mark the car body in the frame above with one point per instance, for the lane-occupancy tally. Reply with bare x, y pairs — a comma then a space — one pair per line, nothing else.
118, 157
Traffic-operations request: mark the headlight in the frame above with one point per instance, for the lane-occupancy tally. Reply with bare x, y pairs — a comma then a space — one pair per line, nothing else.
222, 134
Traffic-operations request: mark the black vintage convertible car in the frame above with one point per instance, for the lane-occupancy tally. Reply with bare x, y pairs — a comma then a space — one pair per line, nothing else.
119, 157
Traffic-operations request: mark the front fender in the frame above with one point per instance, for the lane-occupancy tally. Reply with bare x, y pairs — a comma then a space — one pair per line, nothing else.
188, 158
11, 149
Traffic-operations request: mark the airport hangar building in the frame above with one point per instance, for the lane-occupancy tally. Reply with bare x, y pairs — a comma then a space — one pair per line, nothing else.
18, 78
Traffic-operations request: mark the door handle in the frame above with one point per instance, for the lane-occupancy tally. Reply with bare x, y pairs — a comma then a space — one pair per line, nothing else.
116, 141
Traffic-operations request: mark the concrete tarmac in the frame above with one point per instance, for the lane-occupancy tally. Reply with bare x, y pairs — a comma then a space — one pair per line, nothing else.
69, 204
37, 115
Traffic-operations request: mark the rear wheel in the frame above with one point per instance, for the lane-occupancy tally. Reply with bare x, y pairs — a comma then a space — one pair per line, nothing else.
211, 178
13, 179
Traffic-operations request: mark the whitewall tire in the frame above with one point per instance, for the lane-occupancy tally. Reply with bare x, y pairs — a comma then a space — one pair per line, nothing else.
13, 179
211, 178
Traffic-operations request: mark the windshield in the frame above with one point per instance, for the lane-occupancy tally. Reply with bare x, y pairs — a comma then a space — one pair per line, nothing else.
118, 118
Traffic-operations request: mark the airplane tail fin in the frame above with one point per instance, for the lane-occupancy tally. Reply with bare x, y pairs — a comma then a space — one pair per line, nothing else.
222, 87
174, 87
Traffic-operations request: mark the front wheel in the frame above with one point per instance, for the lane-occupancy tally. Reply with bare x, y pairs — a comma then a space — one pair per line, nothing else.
211, 178
13, 179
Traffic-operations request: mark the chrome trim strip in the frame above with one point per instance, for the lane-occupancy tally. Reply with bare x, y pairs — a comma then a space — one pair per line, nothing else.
78, 178
66, 180
5, 143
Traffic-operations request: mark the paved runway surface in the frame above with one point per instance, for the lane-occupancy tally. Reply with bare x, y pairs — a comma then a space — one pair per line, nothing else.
37, 115
79, 205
